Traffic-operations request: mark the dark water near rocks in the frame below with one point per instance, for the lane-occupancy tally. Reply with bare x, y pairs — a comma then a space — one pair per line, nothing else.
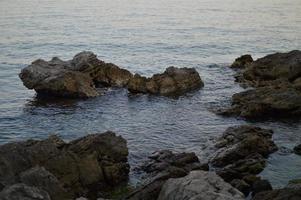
146, 37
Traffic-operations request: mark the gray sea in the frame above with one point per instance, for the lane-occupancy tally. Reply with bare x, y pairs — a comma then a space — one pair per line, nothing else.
146, 37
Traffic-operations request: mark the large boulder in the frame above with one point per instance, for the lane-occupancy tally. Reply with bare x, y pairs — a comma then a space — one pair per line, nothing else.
172, 82
161, 166
71, 169
74, 78
241, 153
277, 82
199, 185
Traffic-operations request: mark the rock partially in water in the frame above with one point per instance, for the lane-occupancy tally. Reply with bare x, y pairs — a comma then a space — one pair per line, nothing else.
173, 82
82, 167
242, 62
277, 82
241, 153
73, 78
279, 194
199, 185
273, 69
261, 185
264, 102
162, 166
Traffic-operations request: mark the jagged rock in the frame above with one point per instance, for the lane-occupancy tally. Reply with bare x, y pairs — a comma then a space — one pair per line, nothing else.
162, 166
273, 69
242, 62
173, 82
94, 161
23, 192
277, 82
241, 185
199, 185
74, 78
241, 153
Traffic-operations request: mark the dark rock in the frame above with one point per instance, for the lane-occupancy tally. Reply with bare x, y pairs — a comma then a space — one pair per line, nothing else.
23, 192
242, 62
94, 161
173, 82
241, 155
261, 185
279, 194
199, 185
162, 166
241, 185
74, 78
297, 149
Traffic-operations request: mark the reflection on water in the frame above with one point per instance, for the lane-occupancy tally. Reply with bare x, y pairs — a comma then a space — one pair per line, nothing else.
145, 37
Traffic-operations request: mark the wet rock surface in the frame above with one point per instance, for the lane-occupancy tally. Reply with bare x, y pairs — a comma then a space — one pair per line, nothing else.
241, 155
161, 166
297, 149
279, 194
82, 167
199, 185
242, 62
277, 93
172, 82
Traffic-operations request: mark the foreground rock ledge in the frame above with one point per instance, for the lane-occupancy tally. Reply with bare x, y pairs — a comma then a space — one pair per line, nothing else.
79, 78
57, 170
277, 82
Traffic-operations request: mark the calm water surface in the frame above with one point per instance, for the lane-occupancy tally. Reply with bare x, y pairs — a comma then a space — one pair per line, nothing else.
145, 36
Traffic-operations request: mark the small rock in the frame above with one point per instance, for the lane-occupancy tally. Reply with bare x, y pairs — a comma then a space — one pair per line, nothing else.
242, 61
261, 185
297, 149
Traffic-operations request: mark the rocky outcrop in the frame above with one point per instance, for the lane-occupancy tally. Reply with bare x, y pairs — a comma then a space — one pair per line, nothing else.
172, 82
74, 78
160, 167
277, 82
242, 62
81, 76
241, 155
199, 185
83, 167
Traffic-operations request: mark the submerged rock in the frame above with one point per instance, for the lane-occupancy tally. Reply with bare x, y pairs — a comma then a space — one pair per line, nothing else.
199, 185
277, 82
73, 78
173, 82
241, 154
162, 166
297, 149
97, 161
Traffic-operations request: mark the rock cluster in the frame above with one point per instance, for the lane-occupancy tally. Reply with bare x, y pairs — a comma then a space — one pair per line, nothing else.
199, 185
277, 82
241, 155
172, 82
53, 169
80, 76
162, 166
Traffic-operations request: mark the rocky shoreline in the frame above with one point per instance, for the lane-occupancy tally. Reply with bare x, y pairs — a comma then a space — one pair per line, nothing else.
93, 166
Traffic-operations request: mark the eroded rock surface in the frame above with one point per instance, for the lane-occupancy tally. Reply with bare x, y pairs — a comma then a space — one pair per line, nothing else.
277, 82
82, 167
161, 166
241, 155
199, 185
173, 82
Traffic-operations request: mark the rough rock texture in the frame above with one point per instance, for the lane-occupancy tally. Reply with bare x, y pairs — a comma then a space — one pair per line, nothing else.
297, 149
199, 185
74, 78
268, 101
23, 192
273, 68
173, 82
279, 194
242, 62
162, 166
241, 154
277, 82
70, 169
261, 185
